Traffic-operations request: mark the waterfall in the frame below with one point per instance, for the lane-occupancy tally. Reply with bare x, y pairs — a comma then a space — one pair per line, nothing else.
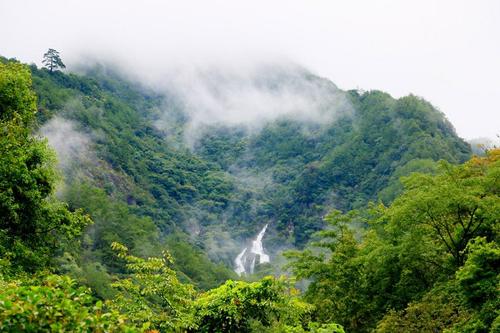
256, 253
240, 262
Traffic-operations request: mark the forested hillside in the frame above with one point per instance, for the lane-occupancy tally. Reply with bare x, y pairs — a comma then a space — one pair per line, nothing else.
150, 217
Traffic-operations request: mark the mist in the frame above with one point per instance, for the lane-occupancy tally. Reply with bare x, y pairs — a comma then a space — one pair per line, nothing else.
244, 94
248, 96
71, 145
446, 51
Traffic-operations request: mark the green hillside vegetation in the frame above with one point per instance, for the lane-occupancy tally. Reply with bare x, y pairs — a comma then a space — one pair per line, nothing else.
136, 238
355, 159
346, 162
428, 262
135, 187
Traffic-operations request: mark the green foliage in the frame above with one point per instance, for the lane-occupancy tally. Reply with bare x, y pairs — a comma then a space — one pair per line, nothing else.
395, 187
479, 283
32, 222
94, 262
113, 222
437, 311
17, 100
287, 173
148, 187
468, 303
135, 178
346, 162
427, 261
54, 304
236, 306
336, 278
194, 266
458, 204
402, 268
152, 295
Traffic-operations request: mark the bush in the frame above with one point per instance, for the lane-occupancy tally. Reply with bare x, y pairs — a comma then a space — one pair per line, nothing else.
54, 305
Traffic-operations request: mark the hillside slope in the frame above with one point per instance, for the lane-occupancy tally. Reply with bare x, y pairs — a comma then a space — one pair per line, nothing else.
428, 260
123, 148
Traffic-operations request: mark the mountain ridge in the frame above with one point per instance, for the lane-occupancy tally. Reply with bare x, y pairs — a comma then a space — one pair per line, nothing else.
369, 212
294, 168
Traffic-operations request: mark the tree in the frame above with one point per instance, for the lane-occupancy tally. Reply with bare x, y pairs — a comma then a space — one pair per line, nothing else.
17, 100
479, 281
333, 266
410, 247
458, 204
32, 221
467, 303
55, 304
151, 295
52, 60
269, 305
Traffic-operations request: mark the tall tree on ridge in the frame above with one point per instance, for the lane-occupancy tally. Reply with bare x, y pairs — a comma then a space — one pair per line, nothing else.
52, 60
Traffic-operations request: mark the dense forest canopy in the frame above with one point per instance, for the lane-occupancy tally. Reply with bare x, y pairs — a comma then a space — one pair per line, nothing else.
130, 226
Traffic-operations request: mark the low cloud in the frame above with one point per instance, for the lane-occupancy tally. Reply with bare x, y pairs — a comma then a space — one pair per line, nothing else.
248, 95
71, 145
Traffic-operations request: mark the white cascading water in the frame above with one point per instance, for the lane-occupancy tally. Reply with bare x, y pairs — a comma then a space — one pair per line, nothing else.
240, 262
257, 250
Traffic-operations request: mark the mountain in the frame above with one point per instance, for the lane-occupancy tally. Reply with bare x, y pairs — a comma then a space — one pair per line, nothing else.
208, 184
340, 209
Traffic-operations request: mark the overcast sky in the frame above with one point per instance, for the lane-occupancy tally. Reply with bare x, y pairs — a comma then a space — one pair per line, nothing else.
445, 51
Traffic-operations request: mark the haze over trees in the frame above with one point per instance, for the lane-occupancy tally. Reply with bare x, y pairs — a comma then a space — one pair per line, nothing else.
382, 207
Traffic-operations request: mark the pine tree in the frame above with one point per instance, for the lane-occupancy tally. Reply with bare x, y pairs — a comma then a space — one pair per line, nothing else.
52, 60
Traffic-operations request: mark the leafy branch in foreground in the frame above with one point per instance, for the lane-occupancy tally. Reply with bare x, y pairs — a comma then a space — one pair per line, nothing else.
153, 296
54, 304
269, 305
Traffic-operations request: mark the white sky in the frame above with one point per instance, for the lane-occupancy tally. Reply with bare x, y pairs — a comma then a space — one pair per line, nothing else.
445, 51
